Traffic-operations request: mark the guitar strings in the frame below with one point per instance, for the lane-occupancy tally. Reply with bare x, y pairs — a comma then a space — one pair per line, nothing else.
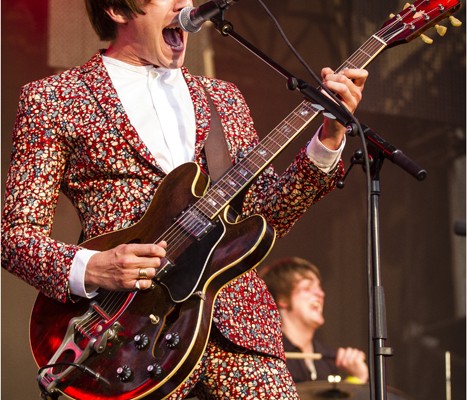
113, 304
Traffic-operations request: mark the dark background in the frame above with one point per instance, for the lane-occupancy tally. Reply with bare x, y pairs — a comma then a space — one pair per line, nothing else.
414, 98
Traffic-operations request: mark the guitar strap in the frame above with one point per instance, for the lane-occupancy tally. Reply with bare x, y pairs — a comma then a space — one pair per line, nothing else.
215, 147
218, 156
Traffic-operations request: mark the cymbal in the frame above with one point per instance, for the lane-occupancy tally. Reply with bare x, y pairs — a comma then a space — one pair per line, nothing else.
321, 390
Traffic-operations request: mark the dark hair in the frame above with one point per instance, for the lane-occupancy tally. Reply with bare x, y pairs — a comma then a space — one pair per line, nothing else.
282, 275
104, 26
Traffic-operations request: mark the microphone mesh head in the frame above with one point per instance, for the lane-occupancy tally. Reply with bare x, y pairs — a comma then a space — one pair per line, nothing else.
185, 21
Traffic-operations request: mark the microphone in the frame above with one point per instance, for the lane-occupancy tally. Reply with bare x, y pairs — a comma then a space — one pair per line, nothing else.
191, 19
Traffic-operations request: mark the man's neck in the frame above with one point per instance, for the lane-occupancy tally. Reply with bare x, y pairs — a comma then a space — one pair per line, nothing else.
125, 54
299, 335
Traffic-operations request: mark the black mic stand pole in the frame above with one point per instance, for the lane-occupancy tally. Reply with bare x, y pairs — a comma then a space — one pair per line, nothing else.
380, 149
379, 330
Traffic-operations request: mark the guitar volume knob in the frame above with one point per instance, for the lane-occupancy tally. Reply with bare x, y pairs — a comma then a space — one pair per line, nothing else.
141, 341
172, 339
124, 373
154, 370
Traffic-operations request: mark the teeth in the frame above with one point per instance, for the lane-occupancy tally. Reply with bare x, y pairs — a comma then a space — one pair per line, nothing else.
173, 36
317, 305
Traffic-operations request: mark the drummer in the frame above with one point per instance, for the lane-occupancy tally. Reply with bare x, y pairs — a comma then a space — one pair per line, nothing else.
295, 285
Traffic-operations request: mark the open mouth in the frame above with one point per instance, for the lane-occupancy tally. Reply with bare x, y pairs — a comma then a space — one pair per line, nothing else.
173, 36
317, 306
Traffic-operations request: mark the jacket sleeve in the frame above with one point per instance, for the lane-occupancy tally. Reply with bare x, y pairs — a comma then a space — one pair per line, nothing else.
281, 199
32, 188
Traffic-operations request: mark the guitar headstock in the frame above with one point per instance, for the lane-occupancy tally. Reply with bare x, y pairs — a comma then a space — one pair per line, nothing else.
415, 19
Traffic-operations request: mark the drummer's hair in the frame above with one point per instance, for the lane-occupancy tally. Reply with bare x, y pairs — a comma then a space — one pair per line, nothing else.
282, 275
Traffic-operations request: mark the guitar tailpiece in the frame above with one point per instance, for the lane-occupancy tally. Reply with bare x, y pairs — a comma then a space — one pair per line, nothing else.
45, 394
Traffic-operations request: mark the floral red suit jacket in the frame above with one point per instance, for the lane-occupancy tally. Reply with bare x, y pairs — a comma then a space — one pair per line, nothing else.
73, 135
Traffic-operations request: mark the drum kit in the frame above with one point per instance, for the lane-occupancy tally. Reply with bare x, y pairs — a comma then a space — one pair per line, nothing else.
334, 387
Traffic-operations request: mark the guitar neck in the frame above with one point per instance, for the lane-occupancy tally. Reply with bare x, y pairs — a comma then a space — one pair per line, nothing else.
365, 54
242, 173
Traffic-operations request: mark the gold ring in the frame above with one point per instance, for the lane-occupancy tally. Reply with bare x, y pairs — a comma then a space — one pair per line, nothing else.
143, 274
137, 286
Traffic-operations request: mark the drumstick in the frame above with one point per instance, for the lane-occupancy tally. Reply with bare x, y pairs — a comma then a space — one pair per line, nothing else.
298, 355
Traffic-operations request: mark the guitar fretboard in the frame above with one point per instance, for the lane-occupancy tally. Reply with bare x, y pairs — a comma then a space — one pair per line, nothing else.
242, 173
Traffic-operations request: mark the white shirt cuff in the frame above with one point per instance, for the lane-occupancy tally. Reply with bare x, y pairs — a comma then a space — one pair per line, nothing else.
77, 271
324, 158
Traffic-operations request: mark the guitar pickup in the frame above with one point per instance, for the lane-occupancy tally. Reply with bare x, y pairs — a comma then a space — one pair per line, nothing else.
194, 222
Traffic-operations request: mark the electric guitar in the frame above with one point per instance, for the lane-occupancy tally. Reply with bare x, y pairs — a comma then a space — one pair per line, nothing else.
130, 345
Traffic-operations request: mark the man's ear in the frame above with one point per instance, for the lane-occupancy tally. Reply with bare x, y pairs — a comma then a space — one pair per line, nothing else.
116, 15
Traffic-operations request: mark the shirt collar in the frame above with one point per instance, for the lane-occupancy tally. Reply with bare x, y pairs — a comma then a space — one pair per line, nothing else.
167, 74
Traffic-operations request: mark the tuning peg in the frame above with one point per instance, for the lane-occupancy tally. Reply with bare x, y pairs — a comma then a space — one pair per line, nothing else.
441, 29
426, 39
406, 5
454, 21
392, 15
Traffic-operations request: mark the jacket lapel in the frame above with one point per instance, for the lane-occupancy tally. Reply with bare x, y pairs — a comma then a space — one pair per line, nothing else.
96, 78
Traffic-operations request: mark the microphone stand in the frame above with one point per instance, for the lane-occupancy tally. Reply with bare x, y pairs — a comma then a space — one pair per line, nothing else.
378, 149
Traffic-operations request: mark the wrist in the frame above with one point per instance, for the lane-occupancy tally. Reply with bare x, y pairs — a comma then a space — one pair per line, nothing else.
332, 134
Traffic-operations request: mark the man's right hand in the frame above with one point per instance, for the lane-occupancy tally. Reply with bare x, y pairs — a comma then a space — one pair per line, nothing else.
125, 267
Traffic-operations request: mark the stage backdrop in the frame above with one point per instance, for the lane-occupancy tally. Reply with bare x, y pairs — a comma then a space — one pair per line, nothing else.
414, 98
